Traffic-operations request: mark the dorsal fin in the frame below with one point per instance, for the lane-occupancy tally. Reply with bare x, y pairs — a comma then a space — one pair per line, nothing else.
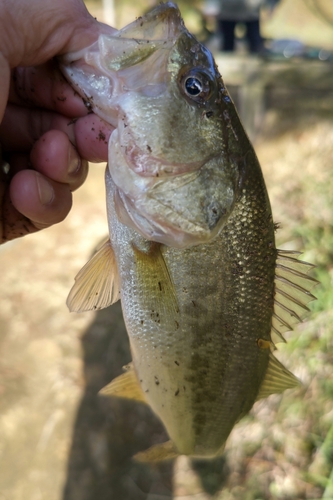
277, 379
125, 386
97, 284
292, 292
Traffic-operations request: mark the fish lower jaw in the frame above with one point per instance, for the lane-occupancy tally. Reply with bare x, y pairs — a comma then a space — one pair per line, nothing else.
160, 231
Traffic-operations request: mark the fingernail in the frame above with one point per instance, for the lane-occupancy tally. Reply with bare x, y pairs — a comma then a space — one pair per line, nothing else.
74, 161
45, 190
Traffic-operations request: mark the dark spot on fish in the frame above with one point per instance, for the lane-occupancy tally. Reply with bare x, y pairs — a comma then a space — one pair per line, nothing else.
184, 290
194, 304
177, 325
101, 136
209, 114
147, 390
96, 293
177, 392
141, 322
149, 148
160, 286
184, 387
177, 363
157, 382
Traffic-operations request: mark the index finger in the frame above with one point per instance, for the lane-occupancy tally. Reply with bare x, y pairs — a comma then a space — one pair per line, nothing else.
44, 87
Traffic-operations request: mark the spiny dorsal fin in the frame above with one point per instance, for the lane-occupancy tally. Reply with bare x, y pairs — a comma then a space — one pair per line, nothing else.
277, 379
157, 453
292, 292
97, 284
159, 294
125, 386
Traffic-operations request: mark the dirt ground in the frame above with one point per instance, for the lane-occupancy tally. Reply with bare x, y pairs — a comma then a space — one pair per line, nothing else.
59, 440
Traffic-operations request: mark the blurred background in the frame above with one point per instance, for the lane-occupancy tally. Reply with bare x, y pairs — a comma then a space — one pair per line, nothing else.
58, 439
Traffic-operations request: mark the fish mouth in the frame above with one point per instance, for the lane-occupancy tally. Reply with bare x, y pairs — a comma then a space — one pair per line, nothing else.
100, 72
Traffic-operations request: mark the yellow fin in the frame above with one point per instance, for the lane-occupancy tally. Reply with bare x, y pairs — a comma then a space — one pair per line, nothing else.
157, 453
97, 284
277, 379
125, 386
292, 292
159, 294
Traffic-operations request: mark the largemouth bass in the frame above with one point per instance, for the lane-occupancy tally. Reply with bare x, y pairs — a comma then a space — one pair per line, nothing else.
192, 254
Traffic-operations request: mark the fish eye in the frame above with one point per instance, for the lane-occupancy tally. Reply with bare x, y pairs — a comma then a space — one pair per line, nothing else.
196, 85
193, 86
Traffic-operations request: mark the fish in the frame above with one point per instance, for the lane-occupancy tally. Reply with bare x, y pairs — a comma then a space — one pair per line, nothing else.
191, 251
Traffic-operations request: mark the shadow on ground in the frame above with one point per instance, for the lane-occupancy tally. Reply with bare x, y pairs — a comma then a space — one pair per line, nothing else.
109, 431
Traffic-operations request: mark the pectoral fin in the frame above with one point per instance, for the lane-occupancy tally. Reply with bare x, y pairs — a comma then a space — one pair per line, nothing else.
159, 294
277, 379
125, 386
97, 284
157, 453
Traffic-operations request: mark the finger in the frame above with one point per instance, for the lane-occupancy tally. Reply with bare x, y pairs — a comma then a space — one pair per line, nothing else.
56, 158
41, 201
44, 86
92, 137
22, 127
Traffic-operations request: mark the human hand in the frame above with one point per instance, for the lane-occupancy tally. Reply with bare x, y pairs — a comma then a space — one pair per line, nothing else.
47, 134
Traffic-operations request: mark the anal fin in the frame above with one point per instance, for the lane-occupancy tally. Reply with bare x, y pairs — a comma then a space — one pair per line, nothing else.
97, 284
158, 453
125, 386
277, 379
